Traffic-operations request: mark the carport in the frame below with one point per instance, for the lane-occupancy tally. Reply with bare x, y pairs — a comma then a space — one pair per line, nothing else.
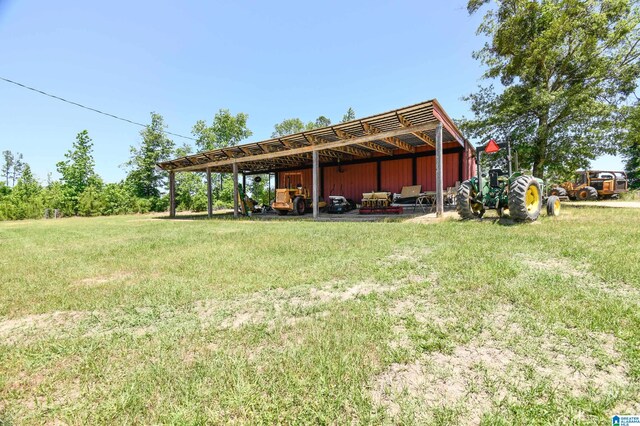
381, 152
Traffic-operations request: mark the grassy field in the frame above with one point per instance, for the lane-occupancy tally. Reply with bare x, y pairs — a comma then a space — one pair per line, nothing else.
133, 319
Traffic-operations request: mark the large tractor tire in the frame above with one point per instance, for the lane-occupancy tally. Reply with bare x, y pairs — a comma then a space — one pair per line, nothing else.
553, 206
298, 206
464, 205
558, 192
588, 193
525, 199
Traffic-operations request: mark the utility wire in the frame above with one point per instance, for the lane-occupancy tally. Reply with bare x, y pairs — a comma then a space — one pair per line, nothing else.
89, 108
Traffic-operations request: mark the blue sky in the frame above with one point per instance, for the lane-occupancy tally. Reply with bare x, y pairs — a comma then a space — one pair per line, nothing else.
186, 60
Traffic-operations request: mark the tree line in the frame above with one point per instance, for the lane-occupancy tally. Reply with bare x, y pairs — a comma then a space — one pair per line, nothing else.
82, 192
567, 72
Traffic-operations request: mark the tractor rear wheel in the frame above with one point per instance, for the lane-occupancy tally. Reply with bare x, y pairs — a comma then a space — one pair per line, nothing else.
553, 206
298, 206
525, 199
467, 209
558, 192
588, 193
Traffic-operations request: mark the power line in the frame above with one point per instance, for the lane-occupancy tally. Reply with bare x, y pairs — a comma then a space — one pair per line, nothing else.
89, 108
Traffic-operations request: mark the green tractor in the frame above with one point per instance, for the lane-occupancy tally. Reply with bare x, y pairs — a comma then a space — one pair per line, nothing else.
518, 194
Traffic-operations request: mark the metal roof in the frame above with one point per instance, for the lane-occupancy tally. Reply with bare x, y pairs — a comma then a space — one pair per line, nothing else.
399, 130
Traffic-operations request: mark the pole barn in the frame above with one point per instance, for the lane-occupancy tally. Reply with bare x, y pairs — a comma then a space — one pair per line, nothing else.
414, 145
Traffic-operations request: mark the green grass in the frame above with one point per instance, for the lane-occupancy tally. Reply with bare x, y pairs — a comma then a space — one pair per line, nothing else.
132, 319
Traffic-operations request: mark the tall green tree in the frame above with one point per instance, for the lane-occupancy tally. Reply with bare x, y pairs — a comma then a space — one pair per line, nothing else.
322, 121
565, 67
190, 187
17, 169
7, 165
349, 115
631, 150
290, 126
78, 170
144, 179
27, 204
225, 130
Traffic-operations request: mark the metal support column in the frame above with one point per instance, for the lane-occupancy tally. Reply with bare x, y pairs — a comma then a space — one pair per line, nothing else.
439, 184
315, 198
209, 195
235, 190
172, 194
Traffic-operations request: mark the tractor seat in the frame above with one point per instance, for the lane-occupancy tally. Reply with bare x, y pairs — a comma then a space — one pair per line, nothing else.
494, 174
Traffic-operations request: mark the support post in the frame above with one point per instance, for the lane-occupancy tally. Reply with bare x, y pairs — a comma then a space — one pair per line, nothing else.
509, 157
439, 189
315, 198
235, 190
209, 194
172, 194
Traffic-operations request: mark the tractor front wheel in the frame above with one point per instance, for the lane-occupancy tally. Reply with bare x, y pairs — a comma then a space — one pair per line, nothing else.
553, 206
525, 199
503, 211
298, 206
465, 205
282, 212
559, 192
588, 193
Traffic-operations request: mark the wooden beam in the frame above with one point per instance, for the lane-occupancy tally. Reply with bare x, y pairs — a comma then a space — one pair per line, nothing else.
172, 194
285, 143
368, 144
351, 150
314, 191
305, 149
245, 150
209, 194
420, 135
439, 181
229, 153
235, 190
392, 140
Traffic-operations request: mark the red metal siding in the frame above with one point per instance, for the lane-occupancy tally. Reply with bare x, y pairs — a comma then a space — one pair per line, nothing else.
426, 171
395, 174
354, 179
350, 181
307, 179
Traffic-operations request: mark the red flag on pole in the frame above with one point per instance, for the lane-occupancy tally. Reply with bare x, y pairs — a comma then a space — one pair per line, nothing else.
491, 147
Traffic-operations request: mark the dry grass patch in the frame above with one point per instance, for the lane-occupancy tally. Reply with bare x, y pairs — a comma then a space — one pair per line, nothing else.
495, 368
114, 278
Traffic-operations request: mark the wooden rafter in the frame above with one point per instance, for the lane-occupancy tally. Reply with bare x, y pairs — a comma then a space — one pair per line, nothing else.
420, 135
245, 150
351, 150
263, 147
285, 143
356, 140
229, 153
368, 144
392, 140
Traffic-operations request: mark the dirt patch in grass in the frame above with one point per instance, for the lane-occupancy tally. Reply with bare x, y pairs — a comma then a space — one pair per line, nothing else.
581, 274
103, 279
557, 265
495, 368
31, 327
